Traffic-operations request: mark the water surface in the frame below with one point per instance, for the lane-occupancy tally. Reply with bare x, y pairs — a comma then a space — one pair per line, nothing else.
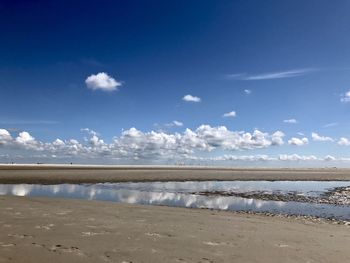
180, 194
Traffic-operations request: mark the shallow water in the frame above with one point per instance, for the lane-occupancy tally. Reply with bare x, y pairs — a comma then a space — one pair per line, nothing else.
179, 194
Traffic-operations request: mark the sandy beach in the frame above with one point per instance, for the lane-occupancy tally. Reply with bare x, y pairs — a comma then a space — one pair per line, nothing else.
59, 230
41, 229
56, 174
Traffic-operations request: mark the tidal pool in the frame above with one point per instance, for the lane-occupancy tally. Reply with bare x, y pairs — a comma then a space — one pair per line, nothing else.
180, 194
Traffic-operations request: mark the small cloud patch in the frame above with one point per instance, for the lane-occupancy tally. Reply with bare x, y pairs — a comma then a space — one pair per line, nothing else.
102, 81
190, 98
230, 114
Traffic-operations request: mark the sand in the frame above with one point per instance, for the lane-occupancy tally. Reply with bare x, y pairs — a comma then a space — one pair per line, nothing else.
59, 230
66, 230
50, 174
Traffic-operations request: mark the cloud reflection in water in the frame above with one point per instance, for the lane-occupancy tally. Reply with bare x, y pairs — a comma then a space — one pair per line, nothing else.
178, 194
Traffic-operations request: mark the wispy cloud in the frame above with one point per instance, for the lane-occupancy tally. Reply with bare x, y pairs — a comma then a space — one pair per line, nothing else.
174, 124
231, 114
271, 75
332, 124
345, 97
292, 121
247, 91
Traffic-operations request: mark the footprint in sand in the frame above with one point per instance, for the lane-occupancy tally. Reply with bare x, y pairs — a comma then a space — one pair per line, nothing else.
90, 234
46, 227
61, 249
209, 243
153, 234
282, 245
62, 213
7, 244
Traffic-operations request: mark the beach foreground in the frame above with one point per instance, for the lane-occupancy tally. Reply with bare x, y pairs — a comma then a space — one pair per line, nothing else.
66, 230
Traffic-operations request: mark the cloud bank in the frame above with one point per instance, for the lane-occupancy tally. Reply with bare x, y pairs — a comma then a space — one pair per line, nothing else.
135, 144
201, 145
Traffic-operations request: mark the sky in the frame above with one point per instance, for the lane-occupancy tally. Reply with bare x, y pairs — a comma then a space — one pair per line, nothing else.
232, 83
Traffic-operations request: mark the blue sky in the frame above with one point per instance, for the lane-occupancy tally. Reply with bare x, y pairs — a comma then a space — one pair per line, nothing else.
109, 66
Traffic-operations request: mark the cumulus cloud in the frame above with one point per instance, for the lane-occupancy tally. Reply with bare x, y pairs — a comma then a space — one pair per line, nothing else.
277, 138
5, 136
24, 138
344, 141
332, 124
190, 98
292, 121
345, 97
102, 81
316, 137
230, 114
298, 141
135, 144
154, 146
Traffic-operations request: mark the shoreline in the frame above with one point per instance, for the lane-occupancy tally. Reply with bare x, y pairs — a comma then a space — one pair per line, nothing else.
50, 174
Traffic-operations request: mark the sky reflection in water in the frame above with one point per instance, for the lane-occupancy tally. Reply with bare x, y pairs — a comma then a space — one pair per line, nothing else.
178, 194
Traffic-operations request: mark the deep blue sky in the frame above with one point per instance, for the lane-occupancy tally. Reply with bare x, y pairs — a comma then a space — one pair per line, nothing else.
163, 50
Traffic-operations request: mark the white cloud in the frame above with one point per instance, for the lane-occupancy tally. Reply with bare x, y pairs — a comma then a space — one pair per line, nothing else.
272, 75
190, 145
316, 137
296, 157
190, 98
27, 141
178, 123
135, 144
230, 114
344, 141
247, 91
292, 121
5, 136
24, 138
58, 142
102, 81
345, 97
298, 141
245, 158
277, 138
329, 158
153, 146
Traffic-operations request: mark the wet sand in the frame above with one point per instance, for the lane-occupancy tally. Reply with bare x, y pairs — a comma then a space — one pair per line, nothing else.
56, 174
59, 230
